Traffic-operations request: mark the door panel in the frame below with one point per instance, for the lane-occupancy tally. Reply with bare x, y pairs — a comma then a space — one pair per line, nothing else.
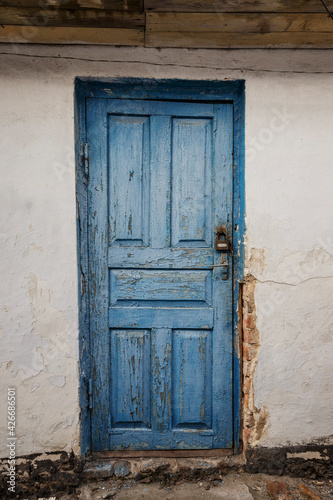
129, 180
130, 404
191, 182
160, 185
153, 287
192, 388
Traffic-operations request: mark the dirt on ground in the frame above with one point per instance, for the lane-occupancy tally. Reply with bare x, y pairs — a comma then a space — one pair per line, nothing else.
238, 486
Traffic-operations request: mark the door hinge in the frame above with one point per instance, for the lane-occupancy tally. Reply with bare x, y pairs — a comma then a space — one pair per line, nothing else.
86, 159
90, 394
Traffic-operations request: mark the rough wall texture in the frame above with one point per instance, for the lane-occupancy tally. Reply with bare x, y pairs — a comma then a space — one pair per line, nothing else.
255, 419
289, 244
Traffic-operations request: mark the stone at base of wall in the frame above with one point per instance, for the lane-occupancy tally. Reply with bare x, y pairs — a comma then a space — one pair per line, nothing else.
310, 461
43, 475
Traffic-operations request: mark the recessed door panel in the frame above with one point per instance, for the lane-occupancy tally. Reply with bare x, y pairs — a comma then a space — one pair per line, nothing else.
192, 379
146, 287
191, 182
130, 378
128, 158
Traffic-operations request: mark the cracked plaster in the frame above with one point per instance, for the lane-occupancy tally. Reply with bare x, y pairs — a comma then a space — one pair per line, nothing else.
288, 220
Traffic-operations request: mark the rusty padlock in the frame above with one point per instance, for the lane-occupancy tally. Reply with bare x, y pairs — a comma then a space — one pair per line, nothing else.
222, 243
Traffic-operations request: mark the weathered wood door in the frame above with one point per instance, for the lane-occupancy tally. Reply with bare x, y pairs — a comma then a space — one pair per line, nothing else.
160, 186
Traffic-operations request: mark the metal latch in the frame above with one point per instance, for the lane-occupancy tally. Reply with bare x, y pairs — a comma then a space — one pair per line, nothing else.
224, 267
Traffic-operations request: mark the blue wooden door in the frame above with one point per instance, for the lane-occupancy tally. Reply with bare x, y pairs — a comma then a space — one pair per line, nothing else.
160, 186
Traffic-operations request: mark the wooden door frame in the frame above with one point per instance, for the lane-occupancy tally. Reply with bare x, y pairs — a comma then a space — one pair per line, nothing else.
151, 89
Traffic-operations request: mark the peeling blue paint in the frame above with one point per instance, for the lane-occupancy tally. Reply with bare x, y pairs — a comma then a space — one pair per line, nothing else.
143, 316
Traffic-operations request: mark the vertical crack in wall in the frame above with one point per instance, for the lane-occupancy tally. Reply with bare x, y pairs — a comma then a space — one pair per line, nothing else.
254, 419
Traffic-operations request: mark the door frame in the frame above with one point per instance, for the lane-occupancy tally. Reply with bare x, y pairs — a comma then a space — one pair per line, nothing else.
151, 89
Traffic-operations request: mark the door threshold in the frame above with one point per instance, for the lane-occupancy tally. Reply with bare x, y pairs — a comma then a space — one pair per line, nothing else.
221, 452
140, 465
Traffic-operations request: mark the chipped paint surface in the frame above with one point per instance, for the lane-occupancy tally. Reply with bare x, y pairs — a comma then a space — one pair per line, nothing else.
169, 200
289, 240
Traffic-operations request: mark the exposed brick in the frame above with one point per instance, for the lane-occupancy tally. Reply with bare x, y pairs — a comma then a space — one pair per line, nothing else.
249, 352
250, 336
248, 419
250, 349
246, 435
249, 321
247, 384
246, 400
247, 369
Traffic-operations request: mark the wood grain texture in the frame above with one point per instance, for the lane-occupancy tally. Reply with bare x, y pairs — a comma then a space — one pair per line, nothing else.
130, 387
144, 317
128, 215
163, 454
115, 5
191, 182
161, 258
182, 397
237, 23
161, 384
239, 40
102, 36
98, 275
192, 348
222, 290
297, 6
71, 17
179, 24
148, 286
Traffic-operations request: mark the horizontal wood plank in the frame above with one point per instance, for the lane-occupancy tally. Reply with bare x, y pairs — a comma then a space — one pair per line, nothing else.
101, 36
115, 5
297, 6
155, 107
70, 17
163, 454
237, 23
147, 286
281, 23
239, 40
161, 258
159, 317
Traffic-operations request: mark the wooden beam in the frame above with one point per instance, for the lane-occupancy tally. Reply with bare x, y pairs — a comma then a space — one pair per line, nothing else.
216, 453
237, 23
214, 40
68, 17
46, 35
115, 5
296, 6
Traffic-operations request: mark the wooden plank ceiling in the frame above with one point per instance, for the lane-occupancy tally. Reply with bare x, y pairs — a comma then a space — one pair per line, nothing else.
170, 23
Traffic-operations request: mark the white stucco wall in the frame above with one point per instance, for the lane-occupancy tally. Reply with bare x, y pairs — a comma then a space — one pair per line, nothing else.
289, 242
